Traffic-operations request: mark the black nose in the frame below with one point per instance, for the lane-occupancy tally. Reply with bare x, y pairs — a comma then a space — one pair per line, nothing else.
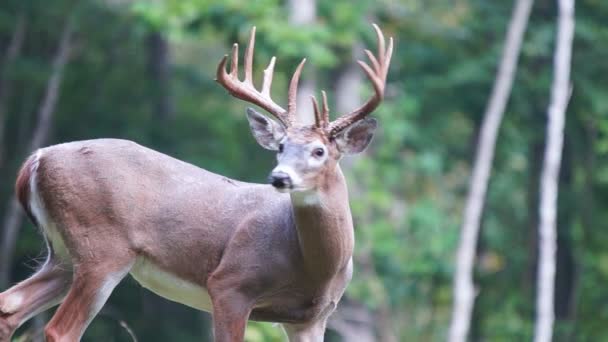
280, 180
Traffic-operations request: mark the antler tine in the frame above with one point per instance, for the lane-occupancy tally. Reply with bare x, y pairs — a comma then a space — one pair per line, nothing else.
293, 90
325, 117
373, 59
381, 50
245, 90
377, 82
377, 75
381, 43
315, 106
268, 72
389, 55
234, 65
249, 57
321, 117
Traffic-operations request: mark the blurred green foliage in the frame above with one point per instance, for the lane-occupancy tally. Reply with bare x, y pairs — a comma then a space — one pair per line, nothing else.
407, 190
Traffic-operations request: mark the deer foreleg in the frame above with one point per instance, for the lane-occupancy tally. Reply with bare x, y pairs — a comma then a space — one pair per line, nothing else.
43, 290
231, 309
36, 294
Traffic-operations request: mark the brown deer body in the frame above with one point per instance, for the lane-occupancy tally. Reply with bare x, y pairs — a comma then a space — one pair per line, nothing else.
109, 208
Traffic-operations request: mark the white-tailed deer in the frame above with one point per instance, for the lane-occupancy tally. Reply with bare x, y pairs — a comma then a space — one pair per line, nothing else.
242, 251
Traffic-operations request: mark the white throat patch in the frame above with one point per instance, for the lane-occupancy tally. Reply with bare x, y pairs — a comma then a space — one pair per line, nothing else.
305, 198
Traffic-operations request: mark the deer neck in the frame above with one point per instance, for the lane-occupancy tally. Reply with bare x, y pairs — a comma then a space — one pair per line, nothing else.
324, 226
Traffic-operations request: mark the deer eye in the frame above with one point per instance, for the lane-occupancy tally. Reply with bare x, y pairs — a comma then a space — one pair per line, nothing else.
281, 146
319, 152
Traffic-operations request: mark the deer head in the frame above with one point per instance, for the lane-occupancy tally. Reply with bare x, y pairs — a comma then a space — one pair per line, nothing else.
306, 154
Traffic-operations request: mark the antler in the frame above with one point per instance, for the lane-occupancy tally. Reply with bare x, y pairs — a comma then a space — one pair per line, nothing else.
377, 75
246, 91
321, 118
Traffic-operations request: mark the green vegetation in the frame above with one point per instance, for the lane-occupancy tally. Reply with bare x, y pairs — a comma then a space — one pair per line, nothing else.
407, 190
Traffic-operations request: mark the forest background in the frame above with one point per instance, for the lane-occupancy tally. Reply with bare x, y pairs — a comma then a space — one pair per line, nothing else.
144, 70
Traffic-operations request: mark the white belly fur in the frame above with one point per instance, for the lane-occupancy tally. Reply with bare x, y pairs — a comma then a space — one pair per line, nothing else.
169, 286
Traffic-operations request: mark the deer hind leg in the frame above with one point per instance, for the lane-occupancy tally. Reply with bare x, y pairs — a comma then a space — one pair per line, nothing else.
43, 290
92, 285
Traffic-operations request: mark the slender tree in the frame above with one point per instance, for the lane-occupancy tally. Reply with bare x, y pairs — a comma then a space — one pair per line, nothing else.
464, 291
14, 216
303, 13
560, 94
159, 70
12, 53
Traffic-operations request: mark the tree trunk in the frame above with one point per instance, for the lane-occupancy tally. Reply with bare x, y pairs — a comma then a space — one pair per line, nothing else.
535, 156
12, 52
560, 94
464, 292
303, 13
159, 65
14, 217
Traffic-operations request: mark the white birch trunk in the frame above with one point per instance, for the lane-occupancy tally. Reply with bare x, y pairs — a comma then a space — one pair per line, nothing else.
560, 94
464, 290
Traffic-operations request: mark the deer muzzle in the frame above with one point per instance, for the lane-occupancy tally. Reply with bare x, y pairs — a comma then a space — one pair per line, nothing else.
281, 180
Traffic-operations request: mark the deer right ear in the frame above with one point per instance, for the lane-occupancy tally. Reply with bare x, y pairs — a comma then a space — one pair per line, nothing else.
268, 133
357, 136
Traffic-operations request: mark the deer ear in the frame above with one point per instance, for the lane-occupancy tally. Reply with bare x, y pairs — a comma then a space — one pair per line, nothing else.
357, 136
268, 133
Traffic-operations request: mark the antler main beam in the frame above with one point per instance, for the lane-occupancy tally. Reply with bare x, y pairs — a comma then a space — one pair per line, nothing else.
377, 75
245, 90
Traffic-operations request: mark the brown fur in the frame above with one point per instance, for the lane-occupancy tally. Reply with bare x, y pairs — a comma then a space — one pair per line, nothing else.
258, 256
22, 186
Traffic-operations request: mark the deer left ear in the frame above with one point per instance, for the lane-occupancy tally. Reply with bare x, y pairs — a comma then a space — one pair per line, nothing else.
357, 136
266, 132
